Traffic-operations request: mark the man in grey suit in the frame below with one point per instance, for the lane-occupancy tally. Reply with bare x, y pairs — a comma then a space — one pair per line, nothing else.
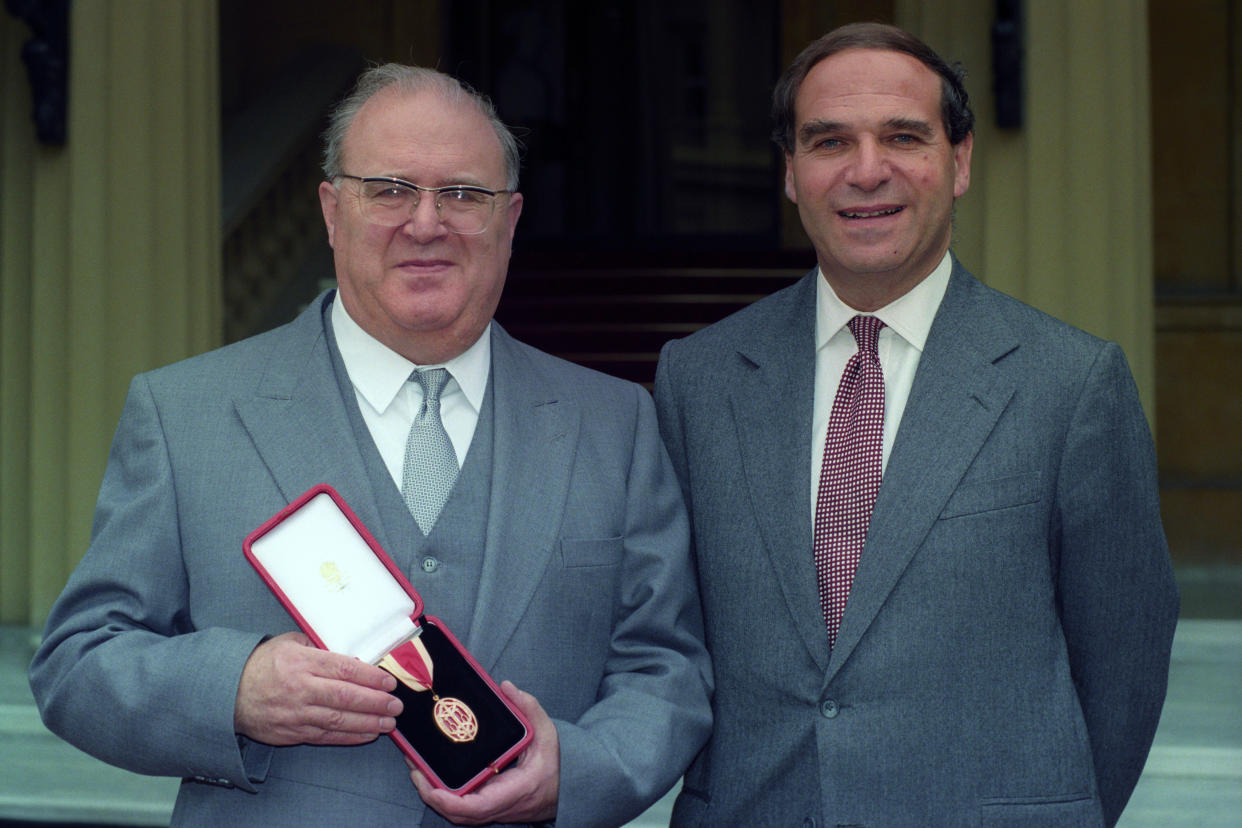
559, 557
965, 618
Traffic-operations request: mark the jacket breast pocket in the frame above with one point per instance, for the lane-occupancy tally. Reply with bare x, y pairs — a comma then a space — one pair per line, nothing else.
977, 496
1071, 811
591, 552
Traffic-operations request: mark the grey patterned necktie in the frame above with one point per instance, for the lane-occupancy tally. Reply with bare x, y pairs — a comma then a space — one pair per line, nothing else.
430, 462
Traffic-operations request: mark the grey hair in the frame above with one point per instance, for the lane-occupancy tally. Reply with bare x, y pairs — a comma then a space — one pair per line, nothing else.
413, 79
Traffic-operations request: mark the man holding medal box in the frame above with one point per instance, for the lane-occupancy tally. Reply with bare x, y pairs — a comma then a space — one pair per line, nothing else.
529, 501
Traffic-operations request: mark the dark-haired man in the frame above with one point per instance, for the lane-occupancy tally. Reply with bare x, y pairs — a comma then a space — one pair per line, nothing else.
925, 516
551, 537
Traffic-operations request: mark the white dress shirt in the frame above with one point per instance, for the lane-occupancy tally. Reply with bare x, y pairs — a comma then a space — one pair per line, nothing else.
907, 320
389, 401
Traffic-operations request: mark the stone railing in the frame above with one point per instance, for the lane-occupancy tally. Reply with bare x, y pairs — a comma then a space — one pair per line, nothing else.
273, 233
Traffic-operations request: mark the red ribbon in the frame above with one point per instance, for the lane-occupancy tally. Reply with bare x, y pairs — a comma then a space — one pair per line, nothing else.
413, 657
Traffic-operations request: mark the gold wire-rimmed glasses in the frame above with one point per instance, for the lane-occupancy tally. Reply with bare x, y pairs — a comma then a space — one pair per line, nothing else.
464, 208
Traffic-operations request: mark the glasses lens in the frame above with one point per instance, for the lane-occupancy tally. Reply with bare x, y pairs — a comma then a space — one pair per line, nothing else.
465, 211
387, 203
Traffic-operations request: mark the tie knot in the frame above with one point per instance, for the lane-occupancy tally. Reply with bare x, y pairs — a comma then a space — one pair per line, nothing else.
432, 381
866, 331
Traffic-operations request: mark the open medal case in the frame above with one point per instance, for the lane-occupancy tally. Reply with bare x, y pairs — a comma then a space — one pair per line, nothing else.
349, 597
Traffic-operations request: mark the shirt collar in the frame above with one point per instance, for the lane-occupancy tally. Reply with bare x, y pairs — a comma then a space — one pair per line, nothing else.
910, 315
379, 373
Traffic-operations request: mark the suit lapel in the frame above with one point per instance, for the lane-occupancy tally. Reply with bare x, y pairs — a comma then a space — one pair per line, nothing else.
957, 397
772, 408
536, 434
299, 424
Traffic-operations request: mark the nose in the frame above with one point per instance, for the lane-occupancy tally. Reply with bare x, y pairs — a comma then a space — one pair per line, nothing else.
424, 223
869, 167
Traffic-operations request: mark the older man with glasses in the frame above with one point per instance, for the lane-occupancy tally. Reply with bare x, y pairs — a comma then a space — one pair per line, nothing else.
529, 501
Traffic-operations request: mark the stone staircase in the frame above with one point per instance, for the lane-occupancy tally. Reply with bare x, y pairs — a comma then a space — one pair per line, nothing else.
616, 319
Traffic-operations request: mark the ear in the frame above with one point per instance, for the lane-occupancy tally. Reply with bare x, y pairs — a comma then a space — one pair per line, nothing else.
791, 191
961, 164
514, 212
329, 202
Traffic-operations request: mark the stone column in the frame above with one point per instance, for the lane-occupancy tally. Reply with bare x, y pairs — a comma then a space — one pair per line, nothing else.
111, 264
1059, 211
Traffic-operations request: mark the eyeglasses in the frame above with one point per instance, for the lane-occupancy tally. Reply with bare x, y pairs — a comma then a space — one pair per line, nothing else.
464, 209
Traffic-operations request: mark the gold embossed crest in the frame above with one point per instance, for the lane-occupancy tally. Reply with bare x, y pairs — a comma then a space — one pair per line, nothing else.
333, 577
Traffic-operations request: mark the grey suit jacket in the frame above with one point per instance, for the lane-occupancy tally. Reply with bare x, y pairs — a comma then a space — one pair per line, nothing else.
1004, 653
586, 598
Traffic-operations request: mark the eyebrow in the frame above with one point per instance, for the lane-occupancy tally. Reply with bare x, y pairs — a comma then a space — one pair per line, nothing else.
914, 125
465, 181
813, 129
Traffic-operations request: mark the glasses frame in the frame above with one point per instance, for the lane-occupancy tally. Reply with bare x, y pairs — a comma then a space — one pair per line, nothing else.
436, 191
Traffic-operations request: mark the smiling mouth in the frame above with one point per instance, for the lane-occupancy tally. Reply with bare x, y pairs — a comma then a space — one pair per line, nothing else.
859, 214
425, 264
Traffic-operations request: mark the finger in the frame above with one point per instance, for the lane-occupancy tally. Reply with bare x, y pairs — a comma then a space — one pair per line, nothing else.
424, 787
473, 808
516, 695
334, 738
285, 698
330, 721
354, 671
544, 745
455, 808
525, 702
294, 651
344, 697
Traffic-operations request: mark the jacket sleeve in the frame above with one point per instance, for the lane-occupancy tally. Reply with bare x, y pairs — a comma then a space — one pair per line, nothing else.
1118, 601
653, 713
122, 673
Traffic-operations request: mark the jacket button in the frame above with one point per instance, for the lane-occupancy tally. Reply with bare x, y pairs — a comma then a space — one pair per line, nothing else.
430, 564
829, 709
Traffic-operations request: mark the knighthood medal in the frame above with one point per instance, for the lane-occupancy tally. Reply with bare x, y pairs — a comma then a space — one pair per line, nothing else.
411, 665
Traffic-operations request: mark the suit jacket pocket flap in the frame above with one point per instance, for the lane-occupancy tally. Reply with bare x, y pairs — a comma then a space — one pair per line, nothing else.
975, 496
1073, 811
591, 551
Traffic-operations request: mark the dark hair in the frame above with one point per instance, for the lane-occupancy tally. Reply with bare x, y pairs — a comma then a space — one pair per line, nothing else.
412, 79
959, 121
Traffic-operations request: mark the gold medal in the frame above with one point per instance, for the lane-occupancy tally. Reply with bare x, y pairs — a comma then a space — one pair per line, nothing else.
455, 719
411, 665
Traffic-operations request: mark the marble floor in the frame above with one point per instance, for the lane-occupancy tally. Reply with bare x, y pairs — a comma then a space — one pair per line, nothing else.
1193, 776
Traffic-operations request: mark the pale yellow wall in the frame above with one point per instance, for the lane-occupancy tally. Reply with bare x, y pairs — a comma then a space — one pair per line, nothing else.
16, 151
1059, 212
110, 264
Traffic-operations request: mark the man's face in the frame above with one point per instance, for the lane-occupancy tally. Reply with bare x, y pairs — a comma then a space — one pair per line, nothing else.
873, 173
422, 290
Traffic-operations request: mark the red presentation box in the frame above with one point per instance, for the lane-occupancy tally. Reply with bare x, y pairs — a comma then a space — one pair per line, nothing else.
349, 597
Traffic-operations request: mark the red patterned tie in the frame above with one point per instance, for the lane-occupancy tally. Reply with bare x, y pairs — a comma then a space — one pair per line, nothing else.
851, 474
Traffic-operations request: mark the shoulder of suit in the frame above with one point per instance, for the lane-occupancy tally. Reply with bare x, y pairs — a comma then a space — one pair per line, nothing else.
1001, 326
566, 376
1030, 323
242, 363
763, 316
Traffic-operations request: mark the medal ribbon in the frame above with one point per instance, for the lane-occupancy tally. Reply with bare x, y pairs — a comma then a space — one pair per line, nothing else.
411, 663
412, 666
